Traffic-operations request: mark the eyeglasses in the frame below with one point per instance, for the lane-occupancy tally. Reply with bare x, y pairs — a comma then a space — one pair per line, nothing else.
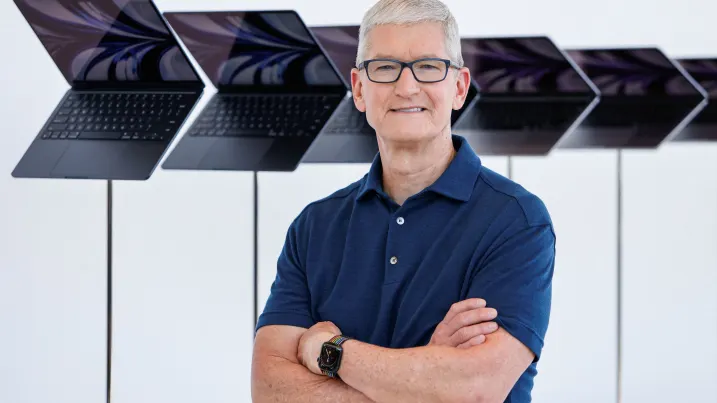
428, 70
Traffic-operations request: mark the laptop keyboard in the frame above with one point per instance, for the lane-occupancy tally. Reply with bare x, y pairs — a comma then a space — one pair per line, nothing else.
263, 115
119, 116
614, 114
349, 120
544, 116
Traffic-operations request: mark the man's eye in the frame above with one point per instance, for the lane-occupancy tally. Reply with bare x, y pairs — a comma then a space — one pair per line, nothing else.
427, 67
385, 67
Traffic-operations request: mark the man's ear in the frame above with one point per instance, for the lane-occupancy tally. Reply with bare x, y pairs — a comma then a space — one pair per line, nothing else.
357, 90
463, 82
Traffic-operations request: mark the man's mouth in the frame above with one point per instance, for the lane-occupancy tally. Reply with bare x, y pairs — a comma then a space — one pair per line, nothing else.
409, 110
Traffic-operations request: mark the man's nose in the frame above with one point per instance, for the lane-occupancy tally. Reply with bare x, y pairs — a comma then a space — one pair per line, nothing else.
406, 84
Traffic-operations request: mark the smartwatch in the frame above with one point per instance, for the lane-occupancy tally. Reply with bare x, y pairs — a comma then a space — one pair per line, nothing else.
330, 358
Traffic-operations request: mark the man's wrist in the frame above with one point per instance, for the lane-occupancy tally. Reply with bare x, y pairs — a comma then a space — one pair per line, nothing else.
350, 342
336, 340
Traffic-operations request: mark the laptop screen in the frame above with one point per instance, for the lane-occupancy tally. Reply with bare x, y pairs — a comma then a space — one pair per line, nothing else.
253, 48
108, 40
633, 72
521, 66
341, 45
704, 71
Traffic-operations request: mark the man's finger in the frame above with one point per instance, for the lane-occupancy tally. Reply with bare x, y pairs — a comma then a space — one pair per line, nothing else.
467, 333
462, 306
480, 339
468, 318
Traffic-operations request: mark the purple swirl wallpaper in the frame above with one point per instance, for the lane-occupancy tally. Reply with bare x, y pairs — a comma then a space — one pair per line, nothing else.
254, 48
107, 40
341, 45
704, 71
632, 72
529, 65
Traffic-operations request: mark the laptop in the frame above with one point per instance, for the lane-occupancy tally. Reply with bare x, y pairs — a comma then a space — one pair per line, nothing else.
132, 89
704, 126
275, 90
645, 98
348, 137
530, 95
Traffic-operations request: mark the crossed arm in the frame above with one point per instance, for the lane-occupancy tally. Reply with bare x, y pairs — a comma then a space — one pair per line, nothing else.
482, 373
434, 373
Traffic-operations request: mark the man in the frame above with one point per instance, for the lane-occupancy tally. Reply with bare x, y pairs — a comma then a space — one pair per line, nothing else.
414, 261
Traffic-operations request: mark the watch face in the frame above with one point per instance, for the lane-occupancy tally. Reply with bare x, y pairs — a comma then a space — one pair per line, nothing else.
329, 357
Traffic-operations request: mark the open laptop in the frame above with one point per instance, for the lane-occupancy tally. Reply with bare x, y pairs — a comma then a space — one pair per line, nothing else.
645, 98
275, 90
704, 126
530, 95
348, 137
132, 89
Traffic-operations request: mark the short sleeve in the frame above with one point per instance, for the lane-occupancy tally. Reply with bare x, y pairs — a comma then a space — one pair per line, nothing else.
516, 280
289, 300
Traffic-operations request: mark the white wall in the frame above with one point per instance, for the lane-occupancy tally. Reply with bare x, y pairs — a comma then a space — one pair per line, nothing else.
670, 274
183, 288
183, 241
52, 246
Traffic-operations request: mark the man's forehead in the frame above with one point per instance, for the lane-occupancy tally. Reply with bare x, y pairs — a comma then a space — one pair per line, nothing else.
414, 41
382, 55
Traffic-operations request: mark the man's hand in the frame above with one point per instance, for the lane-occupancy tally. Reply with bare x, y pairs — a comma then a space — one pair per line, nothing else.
311, 342
465, 324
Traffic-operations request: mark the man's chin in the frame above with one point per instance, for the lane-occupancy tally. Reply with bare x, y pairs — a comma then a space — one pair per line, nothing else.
404, 134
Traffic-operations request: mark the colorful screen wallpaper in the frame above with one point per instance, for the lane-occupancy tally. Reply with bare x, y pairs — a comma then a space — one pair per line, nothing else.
341, 44
254, 48
521, 66
633, 72
107, 40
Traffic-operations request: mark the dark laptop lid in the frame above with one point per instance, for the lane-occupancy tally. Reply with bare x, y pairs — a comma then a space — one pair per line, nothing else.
523, 66
704, 125
635, 72
341, 44
97, 43
704, 71
646, 98
267, 51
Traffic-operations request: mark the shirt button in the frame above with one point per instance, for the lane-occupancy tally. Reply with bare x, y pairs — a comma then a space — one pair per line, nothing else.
400, 220
394, 260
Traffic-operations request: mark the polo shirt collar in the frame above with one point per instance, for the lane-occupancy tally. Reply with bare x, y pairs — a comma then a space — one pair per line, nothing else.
456, 182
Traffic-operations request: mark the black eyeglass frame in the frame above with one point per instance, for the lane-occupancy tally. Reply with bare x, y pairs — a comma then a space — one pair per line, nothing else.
364, 65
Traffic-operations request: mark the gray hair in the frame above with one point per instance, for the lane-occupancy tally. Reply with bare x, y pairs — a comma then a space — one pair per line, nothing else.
408, 12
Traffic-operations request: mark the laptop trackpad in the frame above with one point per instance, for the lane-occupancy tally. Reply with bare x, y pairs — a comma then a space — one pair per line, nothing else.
236, 153
89, 159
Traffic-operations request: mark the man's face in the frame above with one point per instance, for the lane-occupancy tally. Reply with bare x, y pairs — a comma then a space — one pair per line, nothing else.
385, 104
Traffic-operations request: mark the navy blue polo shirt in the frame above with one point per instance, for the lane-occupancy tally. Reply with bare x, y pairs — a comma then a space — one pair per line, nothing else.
387, 274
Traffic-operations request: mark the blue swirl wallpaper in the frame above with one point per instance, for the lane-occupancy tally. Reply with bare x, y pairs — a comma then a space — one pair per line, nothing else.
632, 72
107, 40
254, 48
341, 44
704, 71
527, 65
